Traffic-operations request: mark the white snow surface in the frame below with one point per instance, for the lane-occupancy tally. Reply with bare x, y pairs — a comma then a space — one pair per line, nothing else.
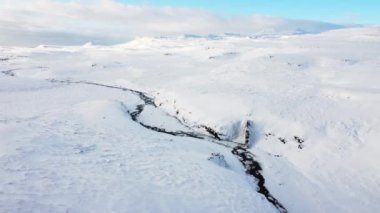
74, 148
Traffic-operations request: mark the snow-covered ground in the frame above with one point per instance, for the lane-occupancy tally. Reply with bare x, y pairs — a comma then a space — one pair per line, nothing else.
69, 140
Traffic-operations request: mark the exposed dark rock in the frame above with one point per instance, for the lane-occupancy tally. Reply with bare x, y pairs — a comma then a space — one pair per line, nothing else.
247, 134
300, 142
283, 140
9, 72
218, 159
254, 169
211, 131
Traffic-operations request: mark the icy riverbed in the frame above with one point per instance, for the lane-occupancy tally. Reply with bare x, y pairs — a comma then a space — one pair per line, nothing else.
313, 101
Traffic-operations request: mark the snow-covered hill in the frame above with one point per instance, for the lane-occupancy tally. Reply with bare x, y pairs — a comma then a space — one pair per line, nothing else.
159, 125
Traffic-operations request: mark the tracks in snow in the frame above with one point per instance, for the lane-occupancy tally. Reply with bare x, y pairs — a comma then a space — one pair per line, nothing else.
252, 167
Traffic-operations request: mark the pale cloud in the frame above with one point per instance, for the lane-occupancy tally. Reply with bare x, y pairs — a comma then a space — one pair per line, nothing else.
105, 21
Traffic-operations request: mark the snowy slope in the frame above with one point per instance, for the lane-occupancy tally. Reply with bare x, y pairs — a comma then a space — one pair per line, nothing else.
80, 125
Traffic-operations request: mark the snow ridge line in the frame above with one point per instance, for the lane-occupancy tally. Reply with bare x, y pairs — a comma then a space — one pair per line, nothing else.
253, 167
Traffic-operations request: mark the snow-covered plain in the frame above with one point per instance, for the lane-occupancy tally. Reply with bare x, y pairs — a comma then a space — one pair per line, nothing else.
68, 142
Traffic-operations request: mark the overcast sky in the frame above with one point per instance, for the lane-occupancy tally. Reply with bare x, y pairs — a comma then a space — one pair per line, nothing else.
29, 23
